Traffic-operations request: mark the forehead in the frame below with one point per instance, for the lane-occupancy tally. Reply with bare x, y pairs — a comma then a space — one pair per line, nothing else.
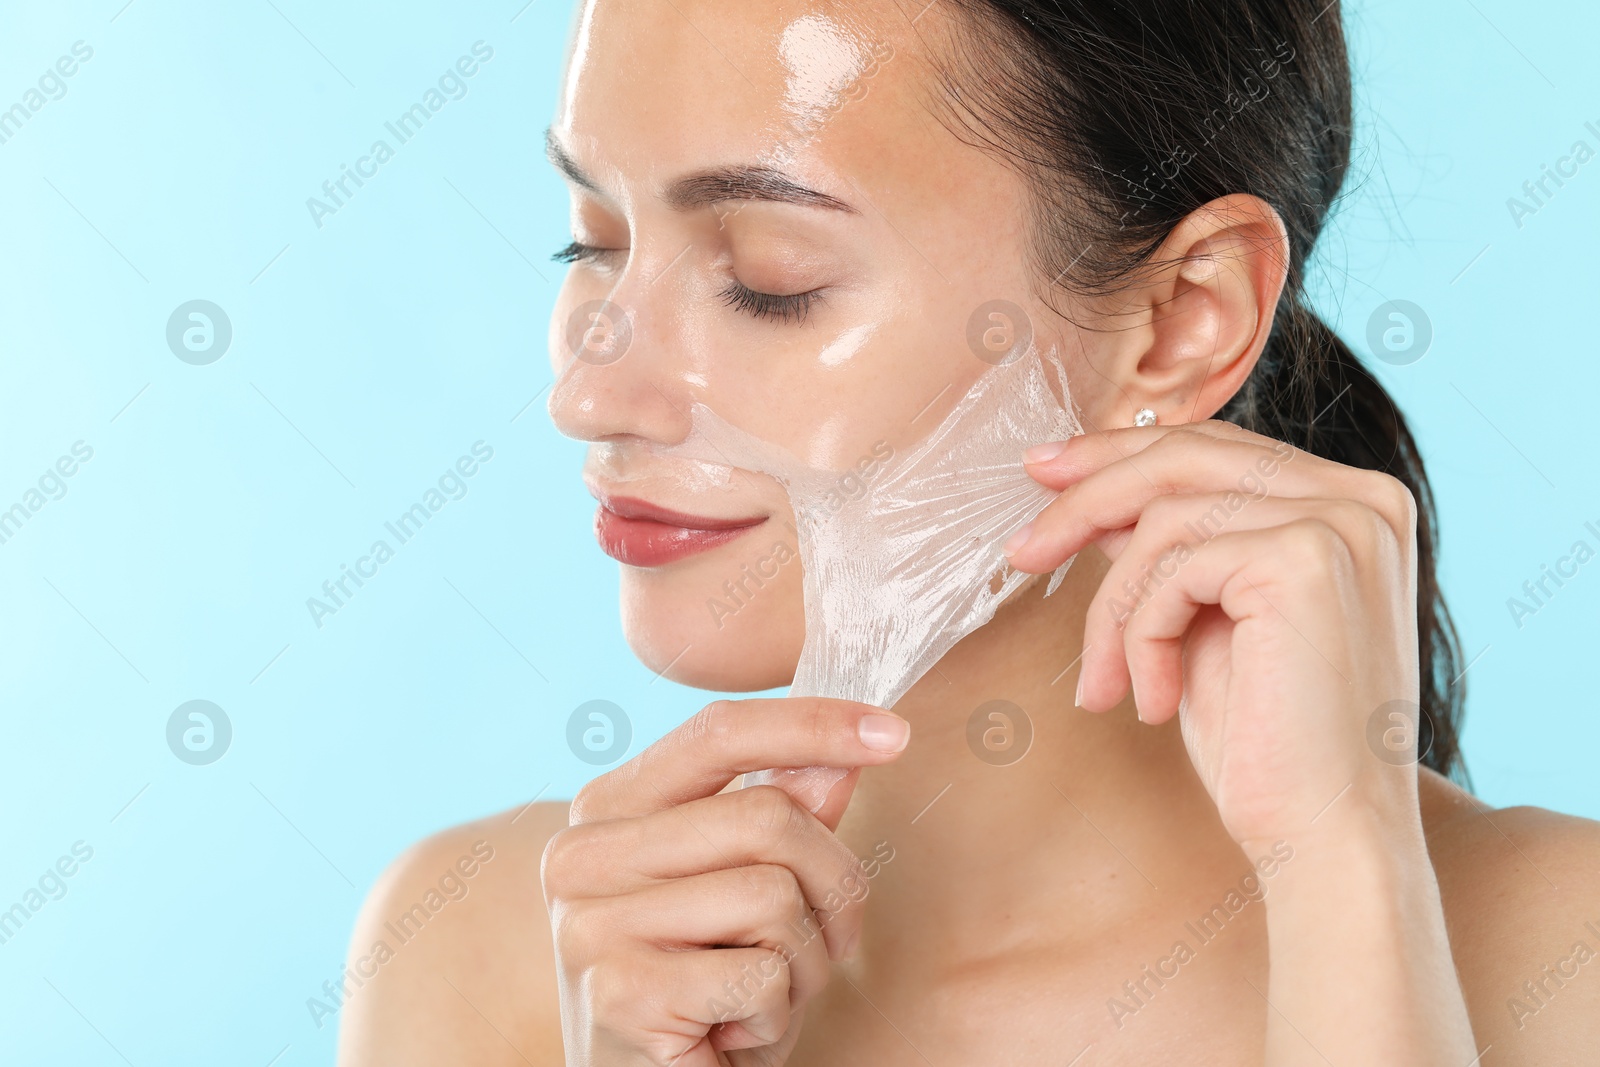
661, 87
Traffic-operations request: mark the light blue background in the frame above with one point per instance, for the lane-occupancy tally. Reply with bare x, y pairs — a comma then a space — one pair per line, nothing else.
371, 353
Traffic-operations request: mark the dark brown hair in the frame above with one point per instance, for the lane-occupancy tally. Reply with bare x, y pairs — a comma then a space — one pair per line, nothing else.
1127, 115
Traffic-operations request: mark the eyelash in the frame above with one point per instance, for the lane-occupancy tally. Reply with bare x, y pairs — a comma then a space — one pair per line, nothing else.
786, 309
790, 308
577, 250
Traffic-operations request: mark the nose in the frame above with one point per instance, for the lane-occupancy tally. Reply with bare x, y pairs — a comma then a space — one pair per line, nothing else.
619, 367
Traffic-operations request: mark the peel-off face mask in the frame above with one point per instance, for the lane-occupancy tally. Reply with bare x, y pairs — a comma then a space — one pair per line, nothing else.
899, 543
901, 554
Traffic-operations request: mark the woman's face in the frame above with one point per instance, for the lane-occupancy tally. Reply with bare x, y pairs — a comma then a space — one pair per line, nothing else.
775, 226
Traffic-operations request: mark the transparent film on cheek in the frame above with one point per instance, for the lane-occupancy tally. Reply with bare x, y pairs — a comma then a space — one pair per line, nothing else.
901, 565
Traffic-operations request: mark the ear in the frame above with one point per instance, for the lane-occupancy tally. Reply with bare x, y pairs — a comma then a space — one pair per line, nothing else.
1190, 331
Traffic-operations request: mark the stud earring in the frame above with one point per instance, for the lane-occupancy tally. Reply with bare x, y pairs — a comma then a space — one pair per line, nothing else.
1144, 417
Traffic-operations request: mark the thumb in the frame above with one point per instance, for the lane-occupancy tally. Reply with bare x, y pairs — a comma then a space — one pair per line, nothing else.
823, 791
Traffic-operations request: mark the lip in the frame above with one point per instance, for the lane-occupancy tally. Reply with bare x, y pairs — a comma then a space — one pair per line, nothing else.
641, 534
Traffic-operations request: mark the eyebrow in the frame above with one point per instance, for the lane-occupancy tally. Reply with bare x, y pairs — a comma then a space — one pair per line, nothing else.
737, 182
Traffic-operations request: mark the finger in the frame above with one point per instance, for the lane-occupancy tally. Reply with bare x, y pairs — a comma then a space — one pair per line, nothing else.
1196, 518
1171, 527
728, 738
747, 986
736, 829
682, 1007
1063, 463
1183, 462
1302, 567
817, 789
838, 798
743, 1055
760, 906
1071, 461
1163, 544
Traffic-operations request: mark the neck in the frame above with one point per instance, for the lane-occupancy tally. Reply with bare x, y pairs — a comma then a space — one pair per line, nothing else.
1015, 816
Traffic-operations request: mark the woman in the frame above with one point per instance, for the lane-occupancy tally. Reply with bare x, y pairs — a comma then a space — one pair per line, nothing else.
1222, 848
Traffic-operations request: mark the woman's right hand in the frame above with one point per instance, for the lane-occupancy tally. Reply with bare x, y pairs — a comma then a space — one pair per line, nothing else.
691, 925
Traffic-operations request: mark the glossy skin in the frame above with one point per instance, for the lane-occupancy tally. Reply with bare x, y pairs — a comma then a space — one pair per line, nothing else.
880, 352
1020, 905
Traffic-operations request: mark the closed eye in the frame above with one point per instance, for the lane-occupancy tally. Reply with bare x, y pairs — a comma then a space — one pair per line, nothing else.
791, 308
783, 308
577, 250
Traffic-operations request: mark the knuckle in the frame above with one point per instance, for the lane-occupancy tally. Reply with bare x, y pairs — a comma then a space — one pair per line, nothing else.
771, 1019
556, 865
765, 812
1179, 435
1168, 456
587, 805
581, 933
821, 723
774, 889
716, 726
617, 991
1175, 442
664, 1051
583, 803
564, 863
1313, 550
1369, 530
1397, 503
1378, 535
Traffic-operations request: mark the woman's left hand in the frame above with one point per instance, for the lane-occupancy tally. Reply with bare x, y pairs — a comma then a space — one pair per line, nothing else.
1265, 595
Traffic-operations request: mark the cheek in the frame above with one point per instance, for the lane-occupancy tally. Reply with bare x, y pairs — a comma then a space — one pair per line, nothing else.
1091, 359
826, 399
731, 620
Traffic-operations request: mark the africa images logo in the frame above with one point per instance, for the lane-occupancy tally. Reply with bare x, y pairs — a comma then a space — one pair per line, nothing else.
452, 85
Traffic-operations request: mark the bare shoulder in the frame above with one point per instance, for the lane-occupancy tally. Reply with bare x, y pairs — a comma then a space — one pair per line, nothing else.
451, 958
1521, 894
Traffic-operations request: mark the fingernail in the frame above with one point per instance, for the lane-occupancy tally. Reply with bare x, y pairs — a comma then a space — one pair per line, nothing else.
1043, 453
1017, 540
1078, 697
884, 733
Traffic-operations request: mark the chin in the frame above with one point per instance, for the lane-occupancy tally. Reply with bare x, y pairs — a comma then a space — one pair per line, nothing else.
682, 623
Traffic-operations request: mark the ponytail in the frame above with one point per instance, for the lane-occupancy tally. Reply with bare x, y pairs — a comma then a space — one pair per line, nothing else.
1127, 117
